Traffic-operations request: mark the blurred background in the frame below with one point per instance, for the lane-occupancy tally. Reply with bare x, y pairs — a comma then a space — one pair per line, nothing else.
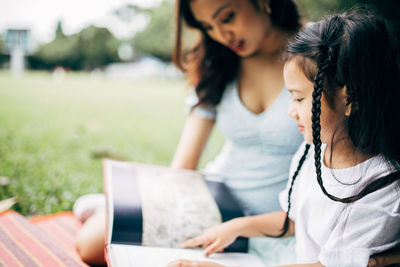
86, 80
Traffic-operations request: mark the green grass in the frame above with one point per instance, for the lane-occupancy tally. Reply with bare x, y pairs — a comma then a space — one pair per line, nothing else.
53, 134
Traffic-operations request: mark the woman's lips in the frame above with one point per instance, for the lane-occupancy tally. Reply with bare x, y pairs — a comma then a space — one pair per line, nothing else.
301, 128
237, 46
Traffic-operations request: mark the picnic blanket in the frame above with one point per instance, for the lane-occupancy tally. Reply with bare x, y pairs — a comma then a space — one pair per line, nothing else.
40, 241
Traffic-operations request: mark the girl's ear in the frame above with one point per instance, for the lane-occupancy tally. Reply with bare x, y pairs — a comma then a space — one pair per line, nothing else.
349, 106
348, 110
342, 100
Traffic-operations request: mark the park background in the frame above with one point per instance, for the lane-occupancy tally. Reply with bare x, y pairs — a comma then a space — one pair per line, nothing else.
106, 89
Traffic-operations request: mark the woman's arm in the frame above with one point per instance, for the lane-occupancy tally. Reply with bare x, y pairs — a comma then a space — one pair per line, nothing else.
193, 141
217, 238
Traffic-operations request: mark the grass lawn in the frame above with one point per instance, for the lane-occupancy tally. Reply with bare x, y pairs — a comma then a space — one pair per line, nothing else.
53, 134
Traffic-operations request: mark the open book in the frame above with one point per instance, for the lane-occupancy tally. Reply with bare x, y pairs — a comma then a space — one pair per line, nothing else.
152, 209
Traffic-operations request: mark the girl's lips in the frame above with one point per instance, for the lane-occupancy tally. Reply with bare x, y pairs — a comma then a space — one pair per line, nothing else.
301, 128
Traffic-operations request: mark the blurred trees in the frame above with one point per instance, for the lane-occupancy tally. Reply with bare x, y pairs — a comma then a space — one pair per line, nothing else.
389, 9
91, 48
1, 44
59, 30
3, 56
157, 38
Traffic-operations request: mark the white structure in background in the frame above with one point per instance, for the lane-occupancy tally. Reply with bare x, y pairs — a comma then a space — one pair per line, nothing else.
143, 69
17, 43
125, 52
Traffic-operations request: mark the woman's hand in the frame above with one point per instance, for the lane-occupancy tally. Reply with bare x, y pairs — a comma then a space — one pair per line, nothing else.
188, 263
217, 238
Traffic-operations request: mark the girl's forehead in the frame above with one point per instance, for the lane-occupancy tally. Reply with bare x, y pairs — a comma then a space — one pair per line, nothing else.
307, 66
295, 79
212, 6
209, 4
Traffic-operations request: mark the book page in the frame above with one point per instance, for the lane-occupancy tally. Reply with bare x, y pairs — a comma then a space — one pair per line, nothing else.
141, 256
174, 200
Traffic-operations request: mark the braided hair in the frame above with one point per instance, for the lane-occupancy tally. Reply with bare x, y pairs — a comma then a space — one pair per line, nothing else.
302, 159
347, 51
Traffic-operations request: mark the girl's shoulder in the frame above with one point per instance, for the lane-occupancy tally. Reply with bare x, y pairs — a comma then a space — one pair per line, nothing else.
375, 171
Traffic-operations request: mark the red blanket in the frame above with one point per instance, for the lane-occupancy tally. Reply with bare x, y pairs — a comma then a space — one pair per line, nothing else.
40, 241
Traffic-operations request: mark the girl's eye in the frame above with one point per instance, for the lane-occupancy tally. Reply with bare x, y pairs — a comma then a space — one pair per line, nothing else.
298, 99
230, 16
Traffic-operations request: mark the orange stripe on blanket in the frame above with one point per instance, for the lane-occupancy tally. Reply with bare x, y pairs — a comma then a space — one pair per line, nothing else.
42, 218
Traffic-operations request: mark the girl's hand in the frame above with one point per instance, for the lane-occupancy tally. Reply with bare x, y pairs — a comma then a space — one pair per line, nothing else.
217, 238
386, 258
188, 263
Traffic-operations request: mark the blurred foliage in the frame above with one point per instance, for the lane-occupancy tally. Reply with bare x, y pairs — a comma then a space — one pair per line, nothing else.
91, 48
59, 30
3, 57
389, 9
1, 44
157, 38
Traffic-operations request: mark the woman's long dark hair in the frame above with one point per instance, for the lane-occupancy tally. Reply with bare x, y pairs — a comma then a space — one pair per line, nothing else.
355, 50
209, 65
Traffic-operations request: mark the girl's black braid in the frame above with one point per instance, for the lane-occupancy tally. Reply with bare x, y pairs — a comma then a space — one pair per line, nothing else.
316, 113
286, 223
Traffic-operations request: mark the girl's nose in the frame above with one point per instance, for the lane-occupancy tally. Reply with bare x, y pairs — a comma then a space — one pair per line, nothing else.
292, 111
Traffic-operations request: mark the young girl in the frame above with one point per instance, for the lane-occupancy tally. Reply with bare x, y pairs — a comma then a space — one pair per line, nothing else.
343, 200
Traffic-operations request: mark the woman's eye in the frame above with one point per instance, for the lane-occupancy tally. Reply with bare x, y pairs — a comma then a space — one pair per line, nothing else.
298, 99
230, 16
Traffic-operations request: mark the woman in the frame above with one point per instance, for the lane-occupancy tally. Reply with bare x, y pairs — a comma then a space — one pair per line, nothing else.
236, 69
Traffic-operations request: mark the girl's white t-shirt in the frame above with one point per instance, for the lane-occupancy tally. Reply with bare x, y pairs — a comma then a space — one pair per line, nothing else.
338, 234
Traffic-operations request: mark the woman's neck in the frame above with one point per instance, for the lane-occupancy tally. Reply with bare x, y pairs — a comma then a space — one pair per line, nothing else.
274, 44
270, 54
